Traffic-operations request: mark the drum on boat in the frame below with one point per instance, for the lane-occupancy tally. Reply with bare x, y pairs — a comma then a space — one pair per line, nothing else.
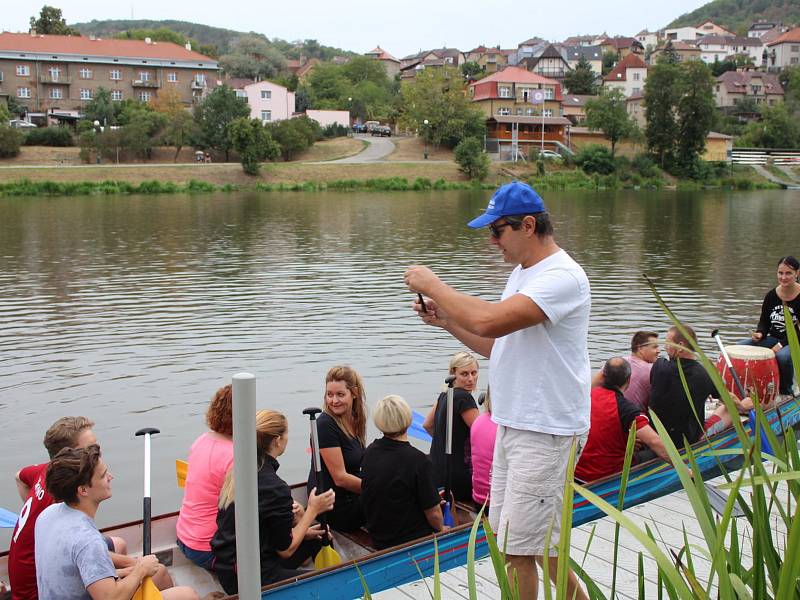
757, 370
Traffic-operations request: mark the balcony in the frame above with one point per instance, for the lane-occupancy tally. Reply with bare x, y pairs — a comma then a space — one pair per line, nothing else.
146, 83
57, 80
544, 72
198, 85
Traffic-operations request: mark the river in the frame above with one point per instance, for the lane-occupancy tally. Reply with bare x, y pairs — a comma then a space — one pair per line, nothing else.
133, 310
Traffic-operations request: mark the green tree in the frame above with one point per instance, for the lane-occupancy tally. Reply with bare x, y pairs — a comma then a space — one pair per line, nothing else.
215, 114
293, 136
472, 70
595, 159
328, 88
5, 115
790, 79
471, 159
141, 128
660, 98
15, 107
101, 108
778, 128
51, 22
609, 60
669, 56
181, 130
695, 111
581, 80
253, 143
10, 141
363, 68
253, 57
609, 113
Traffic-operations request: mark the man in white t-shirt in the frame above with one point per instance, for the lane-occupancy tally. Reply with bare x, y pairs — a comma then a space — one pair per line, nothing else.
536, 339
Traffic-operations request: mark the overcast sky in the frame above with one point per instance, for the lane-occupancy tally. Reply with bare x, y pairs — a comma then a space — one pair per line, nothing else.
401, 28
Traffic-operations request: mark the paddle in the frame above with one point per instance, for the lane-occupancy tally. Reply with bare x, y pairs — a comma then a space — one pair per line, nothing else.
181, 468
327, 556
416, 430
148, 589
7, 518
449, 501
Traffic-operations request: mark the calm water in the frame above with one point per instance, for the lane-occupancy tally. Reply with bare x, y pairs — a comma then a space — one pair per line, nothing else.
134, 310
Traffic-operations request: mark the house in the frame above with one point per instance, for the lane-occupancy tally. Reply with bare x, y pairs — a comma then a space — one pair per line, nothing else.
628, 75
305, 69
733, 87
635, 106
390, 63
759, 29
269, 101
677, 34
326, 118
584, 40
708, 27
647, 39
592, 54
622, 46
63, 72
530, 46
717, 48
785, 50
475, 54
683, 51
491, 59
573, 107
442, 57
549, 62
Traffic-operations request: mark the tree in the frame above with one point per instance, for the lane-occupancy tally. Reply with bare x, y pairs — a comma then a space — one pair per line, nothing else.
778, 128
215, 114
581, 79
595, 159
293, 135
363, 68
141, 128
660, 98
10, 141
51, 22
16, 108
695, 111
790, 79
669, 56
471, 159
101, 108
253, 143
328, 88
472, 70
609, 113
253, 58
610, 58
181, 130
168, 102
5, 115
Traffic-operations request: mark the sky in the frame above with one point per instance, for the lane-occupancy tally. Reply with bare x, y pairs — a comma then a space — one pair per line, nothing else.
401, 28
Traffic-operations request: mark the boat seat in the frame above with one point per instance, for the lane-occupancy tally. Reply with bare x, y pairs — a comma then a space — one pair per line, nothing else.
360, 537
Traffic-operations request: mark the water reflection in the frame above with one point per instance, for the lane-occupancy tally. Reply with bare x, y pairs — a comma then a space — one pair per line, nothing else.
134, 310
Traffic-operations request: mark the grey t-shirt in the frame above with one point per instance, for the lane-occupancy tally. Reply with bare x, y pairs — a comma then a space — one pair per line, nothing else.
70, 554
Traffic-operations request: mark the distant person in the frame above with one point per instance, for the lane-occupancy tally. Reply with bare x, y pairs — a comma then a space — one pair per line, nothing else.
644, 352
287, 537
771, 330
464, 366
342, 431
66, 432
482, 435
72, 561
400, 500
210, 459
612, 417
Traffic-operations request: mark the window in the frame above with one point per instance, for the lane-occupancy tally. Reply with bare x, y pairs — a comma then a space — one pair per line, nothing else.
266, 115
503, 111
86, 94
200, 79
448, 60
55, 73
505, 92
266, 94
56, 93
519, 111
86, 73
241, 94
549, 94
145, 96
116, 95
635, 91
637, 76
23, 92
756, 89
547, 112
115, 74
795, 48
529, 112
23, 70
525, 95
144, 76
172, 77
793, 60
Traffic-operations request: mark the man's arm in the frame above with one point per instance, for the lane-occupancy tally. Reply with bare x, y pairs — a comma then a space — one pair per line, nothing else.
124, 588
648, 436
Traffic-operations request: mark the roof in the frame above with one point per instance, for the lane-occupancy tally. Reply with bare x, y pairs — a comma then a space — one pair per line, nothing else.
237, 83
86, 46
635, 97
534, 120
516, 75
445, 52
587, 52
728, 40
479, 50
718, 136
620, 42
762, 26
793, 36
619, 72
736, 82
575, 100
576, 40
306, 68
381, 54
679, 46
531, 41
551, 52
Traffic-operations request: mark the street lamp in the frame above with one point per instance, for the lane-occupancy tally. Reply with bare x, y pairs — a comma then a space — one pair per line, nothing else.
96, 129
425, 153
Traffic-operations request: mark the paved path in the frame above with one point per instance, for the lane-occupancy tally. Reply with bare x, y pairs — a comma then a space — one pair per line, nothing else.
773, 178
789, 173
378, 148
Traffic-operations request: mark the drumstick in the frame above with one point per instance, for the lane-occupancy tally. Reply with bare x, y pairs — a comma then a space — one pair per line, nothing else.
736, 380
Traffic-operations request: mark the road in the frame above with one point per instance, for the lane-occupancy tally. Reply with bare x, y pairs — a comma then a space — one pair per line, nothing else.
378, 149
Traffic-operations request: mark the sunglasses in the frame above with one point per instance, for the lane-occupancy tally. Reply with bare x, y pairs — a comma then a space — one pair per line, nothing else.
497, 230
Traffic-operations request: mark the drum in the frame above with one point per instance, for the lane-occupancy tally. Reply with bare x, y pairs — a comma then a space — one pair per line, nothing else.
757, 370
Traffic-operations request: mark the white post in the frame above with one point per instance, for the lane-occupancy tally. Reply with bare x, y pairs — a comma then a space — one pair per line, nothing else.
248, 554
542, 126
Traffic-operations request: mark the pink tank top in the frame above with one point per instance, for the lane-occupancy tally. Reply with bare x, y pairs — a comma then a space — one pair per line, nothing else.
481, 438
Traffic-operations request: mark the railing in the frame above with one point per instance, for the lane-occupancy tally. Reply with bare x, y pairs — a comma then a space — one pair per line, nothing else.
761, 156
550, 72
57, 80
198, 85
146, 83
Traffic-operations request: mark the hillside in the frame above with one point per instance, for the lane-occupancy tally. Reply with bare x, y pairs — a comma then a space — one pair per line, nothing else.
738, 15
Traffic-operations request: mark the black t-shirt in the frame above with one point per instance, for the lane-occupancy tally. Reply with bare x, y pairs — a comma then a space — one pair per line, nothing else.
274, 525
771, 322
331, 436
668, 398
397, 488
462, 453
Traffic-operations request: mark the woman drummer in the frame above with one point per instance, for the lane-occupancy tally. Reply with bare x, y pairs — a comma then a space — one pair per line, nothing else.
771, 330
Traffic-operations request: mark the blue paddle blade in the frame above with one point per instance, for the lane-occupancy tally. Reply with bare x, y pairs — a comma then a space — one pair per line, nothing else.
447, 515
416, 430
7, 518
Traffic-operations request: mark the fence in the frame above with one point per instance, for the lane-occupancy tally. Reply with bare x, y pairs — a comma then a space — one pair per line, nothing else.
761, 156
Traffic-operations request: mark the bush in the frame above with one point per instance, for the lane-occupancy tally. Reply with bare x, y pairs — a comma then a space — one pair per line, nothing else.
471, 159
10, 141
595, 159
60, 137
335, 130
645, 165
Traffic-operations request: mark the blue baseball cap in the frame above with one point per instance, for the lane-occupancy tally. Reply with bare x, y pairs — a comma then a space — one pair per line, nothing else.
513, 198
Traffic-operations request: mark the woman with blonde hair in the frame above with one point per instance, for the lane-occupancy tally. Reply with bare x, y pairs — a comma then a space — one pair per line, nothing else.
342, 429
464, 366
399, 497
286, 534
210, 458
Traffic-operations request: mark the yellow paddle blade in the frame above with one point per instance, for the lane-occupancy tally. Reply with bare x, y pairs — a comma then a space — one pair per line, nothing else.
147, 591
181, 467
327, 557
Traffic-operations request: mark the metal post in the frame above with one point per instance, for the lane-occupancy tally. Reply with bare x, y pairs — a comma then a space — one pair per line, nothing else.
248, 555
542, 127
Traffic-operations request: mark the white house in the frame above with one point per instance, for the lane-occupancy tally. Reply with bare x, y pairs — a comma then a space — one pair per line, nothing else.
330, 117
683, 33
647, 38
269, 101
715, 48
785, 51
628, 75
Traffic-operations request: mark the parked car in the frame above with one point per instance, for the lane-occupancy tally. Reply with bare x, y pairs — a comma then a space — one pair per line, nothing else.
20, 124
359, 128
370, 125
382, 131
548, 155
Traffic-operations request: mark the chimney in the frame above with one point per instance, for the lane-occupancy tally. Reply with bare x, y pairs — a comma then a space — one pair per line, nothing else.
147, 40
188, 46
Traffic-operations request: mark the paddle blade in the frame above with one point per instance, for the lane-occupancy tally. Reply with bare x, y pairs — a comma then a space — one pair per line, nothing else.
447, 515
147, 591
181, 466
7, 518
416, 430
327, 557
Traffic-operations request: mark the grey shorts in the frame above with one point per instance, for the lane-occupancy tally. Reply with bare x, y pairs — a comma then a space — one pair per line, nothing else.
528, 473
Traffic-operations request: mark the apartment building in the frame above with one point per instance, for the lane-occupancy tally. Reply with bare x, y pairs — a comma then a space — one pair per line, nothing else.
60, 72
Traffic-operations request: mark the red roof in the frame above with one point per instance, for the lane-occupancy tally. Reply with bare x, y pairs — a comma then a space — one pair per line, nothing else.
619, 72
382, 54
84, 46
620, 42
793, 36
517, 75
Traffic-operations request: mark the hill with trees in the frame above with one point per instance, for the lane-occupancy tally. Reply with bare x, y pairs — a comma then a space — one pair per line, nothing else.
738, 15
